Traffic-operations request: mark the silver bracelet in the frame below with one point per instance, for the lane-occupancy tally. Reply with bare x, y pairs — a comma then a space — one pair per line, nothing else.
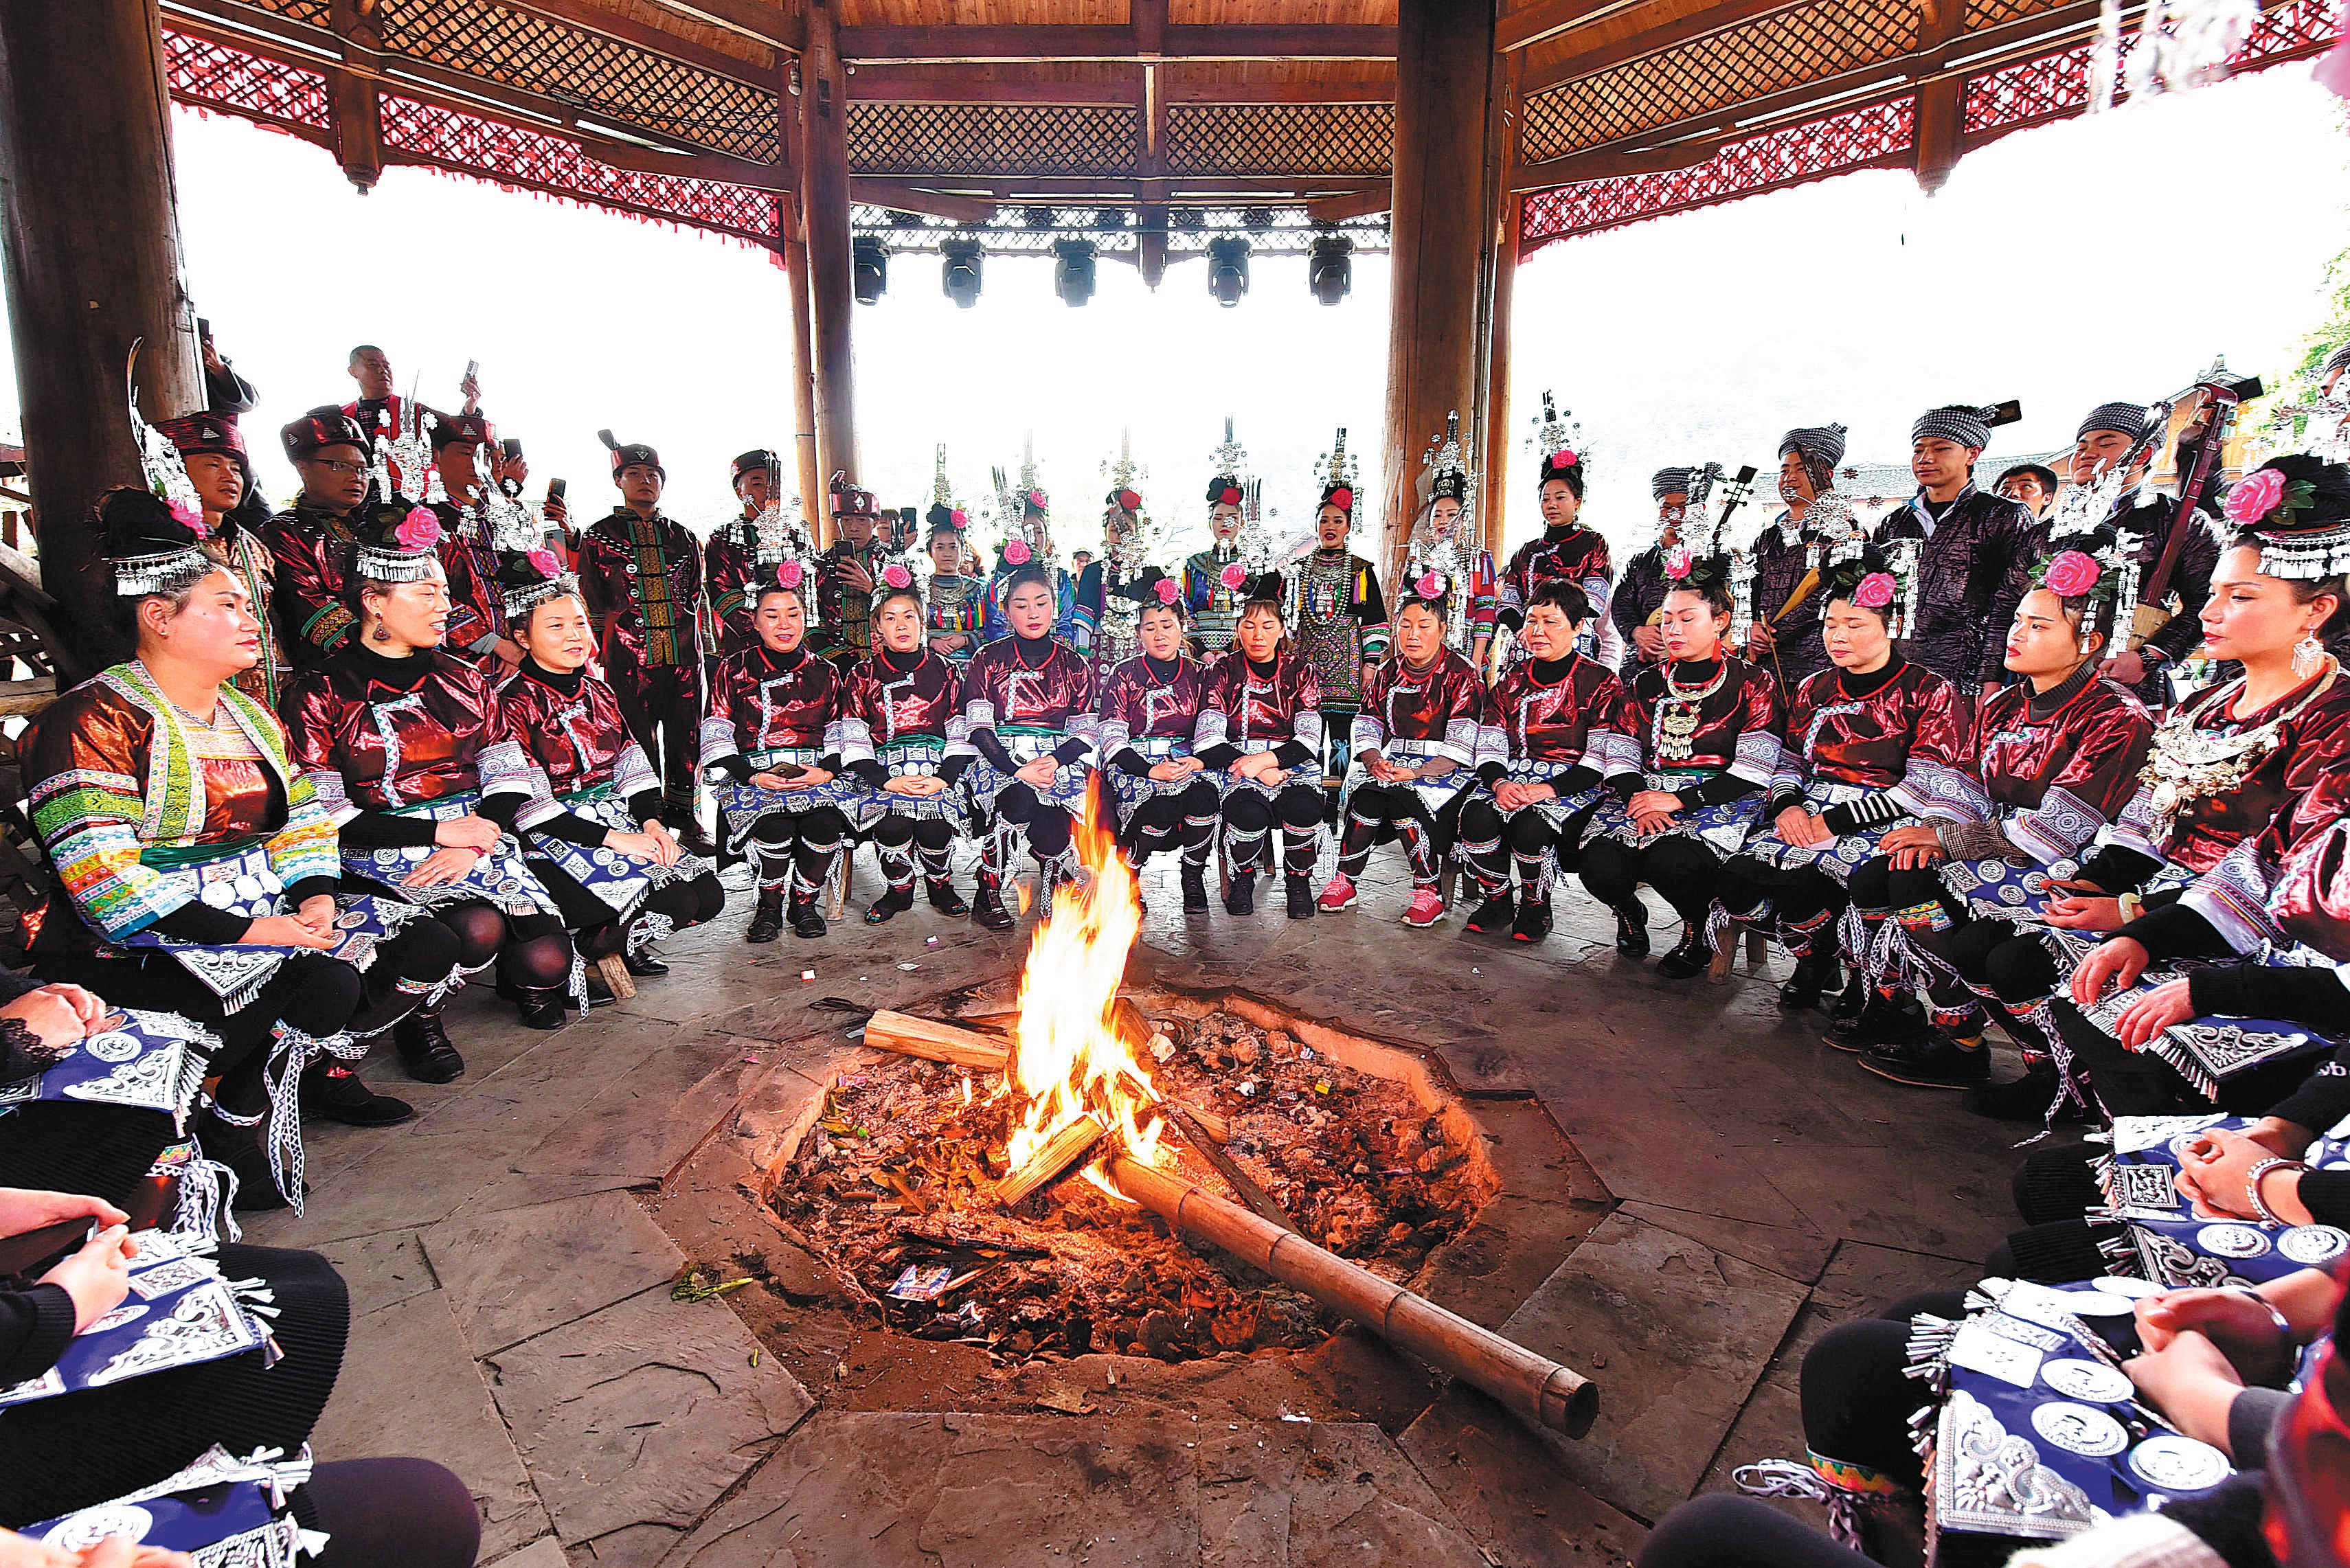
2253, 1188
2286, 1338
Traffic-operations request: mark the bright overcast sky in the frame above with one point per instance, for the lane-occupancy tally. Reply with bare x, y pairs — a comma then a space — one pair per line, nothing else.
2099, 259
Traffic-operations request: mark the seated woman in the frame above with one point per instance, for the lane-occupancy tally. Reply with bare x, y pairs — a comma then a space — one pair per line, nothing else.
1260, 732
217, 1381
405, 743
1874, 741
1151, 705
1415, 753
2058, 755
196, 868
901, 736
598, 847
1028, 710
1705, 743
764, 744
1555, 719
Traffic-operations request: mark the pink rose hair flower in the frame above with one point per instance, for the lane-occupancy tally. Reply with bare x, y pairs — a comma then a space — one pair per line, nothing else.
957, 521
1017, 552
1130, 500
420, 530
1036, 499
1430, 586
1234, 575
2071, 574
2254, 496
191, 518
543, 561
895, 576
1564, 458
1677, 563
1167, 591
1343, 498
788, 575
1875, 591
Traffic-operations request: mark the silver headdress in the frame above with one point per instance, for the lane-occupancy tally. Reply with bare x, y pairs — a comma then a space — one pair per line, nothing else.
1445, 471
400, 545
520, 601
166, 570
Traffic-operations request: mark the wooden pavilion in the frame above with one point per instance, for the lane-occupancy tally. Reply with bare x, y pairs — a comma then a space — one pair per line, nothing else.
829, 131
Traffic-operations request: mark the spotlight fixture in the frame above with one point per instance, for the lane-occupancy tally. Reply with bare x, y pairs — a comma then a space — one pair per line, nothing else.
1228, 269
1073, 271
959, 276
1330, 268
868, 265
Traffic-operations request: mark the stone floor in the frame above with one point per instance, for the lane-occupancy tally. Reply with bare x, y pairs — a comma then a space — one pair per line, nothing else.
1736, 1188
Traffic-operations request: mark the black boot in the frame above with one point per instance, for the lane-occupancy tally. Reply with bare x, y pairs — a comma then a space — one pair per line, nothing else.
1815, 973
894, 902
425, 1050
1934, 1061
1194, 878
804, 919
987, 906
1632, 927
693, 841
1498, 912
1533, 923
332, 1090
641, 962
945, 900
1239, 899
1299, 890
543, 1006
1690, 956
767, 919
1883, 1020
2026, 1099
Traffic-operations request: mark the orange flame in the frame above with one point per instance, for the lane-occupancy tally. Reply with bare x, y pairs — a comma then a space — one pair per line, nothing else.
1067, 1058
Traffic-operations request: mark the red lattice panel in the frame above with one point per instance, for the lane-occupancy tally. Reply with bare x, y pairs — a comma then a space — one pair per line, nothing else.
2055, 86
212, 76
1793, 155
464, 144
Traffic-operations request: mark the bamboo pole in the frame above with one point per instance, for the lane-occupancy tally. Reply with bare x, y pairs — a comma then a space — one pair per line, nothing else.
910, 1036
1538, 1389
1055, 1154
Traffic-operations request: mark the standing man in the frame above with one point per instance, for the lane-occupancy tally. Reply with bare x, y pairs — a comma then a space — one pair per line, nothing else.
2030, 486
1341, 619
750, 547
1786, 638
1641, 594
641, 573
846, 574
383, 415
477, 606
309, 539
1975, 550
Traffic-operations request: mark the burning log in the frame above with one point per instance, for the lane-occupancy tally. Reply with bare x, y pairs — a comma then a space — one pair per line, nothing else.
1535, 1388
910, 1036
1063, 1149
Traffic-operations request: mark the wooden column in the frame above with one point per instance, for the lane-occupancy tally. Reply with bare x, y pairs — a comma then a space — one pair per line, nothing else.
92, 253
1444, 64
1501, 271
351, 99
824, 212
1941, 105
794, 256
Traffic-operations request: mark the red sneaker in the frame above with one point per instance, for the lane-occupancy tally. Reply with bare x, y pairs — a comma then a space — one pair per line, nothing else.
1338, 895
1425, 909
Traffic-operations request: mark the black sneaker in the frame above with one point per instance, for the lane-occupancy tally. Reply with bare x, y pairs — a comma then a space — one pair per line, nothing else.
332, 1090
1632, 927
1881, 1020
946, 900
1299, 891
1195, 888
1933, 1061
1496, 914
1533, 923
2026, 1099
896, 901
1690, 958
1239, 899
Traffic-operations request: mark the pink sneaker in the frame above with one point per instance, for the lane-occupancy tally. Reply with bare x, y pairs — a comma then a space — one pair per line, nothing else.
1425, 909
1339, 895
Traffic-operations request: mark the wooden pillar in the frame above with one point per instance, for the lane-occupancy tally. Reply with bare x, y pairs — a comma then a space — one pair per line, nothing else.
1441, 222
1501, 271
824, 212
351, 101
794, 256
1941, 105
92, 252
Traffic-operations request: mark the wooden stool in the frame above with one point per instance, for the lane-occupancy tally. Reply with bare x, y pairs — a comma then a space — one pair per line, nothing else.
615, 977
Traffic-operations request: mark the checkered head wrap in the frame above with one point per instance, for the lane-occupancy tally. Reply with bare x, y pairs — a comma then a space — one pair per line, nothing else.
2125, 419
1670, 482
1959, 422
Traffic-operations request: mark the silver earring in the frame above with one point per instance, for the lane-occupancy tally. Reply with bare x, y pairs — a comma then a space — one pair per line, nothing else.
2307, 654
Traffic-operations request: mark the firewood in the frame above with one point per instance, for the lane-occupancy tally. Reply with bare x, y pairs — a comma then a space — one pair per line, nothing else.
1211, 1150
1059, 1152
910, 1036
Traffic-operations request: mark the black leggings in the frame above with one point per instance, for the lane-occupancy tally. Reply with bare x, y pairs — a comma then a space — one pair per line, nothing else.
1727, 1530
590, 919
798, 848
533, 951
391, 1514
1249, 818
1375, 810
1186, 819
1493, 845
1804, 900
1857, 1400
1049, 826
1682, 868
2141, 1084
898, 841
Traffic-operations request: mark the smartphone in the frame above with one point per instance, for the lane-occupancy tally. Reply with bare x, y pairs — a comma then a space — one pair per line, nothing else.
512, 448
203, 329
473, 369
555, 489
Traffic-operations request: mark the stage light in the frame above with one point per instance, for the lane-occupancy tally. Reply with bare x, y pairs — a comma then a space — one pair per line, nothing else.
1330, 269
1228, 269
959, 276
1073, 271
868, 265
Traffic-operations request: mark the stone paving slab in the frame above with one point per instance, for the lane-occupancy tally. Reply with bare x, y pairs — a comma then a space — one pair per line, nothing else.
409, 1387
1503, 1483
381, 1271
644, 1412
525, 1271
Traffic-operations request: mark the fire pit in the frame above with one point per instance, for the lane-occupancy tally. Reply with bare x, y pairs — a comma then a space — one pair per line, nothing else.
1082, 1170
